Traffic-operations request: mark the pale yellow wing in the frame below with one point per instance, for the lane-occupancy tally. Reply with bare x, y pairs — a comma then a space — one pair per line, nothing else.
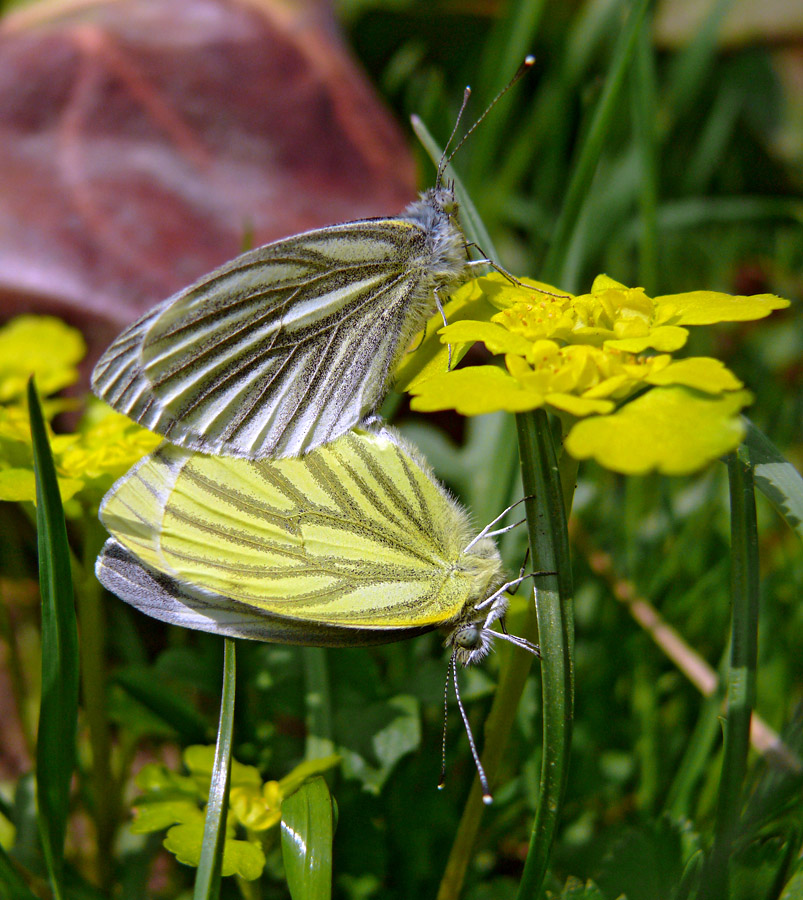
356, 534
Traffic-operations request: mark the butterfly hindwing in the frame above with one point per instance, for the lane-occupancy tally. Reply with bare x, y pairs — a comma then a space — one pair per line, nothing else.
356, 535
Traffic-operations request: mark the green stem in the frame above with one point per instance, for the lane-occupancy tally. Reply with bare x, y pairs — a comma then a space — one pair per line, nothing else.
549, 543
91, 636
207, 880
644, 105
741, 672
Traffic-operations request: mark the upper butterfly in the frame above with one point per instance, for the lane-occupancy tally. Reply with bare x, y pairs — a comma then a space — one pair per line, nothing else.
290, 345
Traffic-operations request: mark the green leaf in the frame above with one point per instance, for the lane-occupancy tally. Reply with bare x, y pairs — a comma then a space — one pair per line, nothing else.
793, 889
379, 735
294, 779
159, 782
58, 712
307, 841
775, 477
242, 858
207, 882
200, 760
161, 814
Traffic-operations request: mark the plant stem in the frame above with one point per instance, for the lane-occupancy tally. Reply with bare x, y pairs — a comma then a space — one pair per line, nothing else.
207, 881
741, 672
318, 702
549, 543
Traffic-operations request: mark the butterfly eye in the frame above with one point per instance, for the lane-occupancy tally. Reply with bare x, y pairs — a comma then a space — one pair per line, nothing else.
468, 637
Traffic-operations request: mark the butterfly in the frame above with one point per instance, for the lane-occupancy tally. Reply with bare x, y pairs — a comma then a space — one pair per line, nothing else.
290, 345
353, 543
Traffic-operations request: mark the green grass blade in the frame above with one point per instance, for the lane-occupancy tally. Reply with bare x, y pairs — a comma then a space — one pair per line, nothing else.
12, 886
512, 39
207, 881
644, 103
778, 480
307, 831
583, 174
549, 542
58, 712
741, 672
691, 68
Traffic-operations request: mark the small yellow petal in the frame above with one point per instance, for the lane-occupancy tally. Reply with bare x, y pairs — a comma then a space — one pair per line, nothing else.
579, 406
426, 355
605, 283
495, 338
709, 307
473, 391
504, 293
665, 338
42, 346
701, 372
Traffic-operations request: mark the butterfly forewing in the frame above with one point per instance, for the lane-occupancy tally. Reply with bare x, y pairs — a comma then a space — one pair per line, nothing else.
284, 348
356, 534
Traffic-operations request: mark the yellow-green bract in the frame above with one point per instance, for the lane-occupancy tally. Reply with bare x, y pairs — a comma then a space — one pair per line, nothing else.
292, 344
353, 543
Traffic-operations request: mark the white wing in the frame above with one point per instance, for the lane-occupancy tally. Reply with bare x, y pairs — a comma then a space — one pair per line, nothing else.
284, 348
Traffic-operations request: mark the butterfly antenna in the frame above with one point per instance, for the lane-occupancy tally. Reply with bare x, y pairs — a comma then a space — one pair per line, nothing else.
487, 797
442, 779
529, 62
444, 162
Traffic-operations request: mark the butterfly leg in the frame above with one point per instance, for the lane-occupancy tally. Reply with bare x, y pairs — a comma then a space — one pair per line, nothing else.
439, 306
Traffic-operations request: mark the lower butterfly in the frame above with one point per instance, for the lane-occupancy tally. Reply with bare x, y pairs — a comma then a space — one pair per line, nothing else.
354, 543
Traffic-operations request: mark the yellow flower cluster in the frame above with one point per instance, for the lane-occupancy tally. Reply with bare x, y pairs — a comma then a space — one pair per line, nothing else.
101, 449
176, 802
604, 357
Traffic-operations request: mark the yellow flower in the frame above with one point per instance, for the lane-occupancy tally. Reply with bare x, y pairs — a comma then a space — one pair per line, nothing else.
175, 802
585, 357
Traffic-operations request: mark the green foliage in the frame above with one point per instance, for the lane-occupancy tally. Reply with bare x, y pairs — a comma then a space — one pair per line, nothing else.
176, 802
307, 829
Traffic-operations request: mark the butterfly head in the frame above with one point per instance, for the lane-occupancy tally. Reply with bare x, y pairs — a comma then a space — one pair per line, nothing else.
472, 641
470, 635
